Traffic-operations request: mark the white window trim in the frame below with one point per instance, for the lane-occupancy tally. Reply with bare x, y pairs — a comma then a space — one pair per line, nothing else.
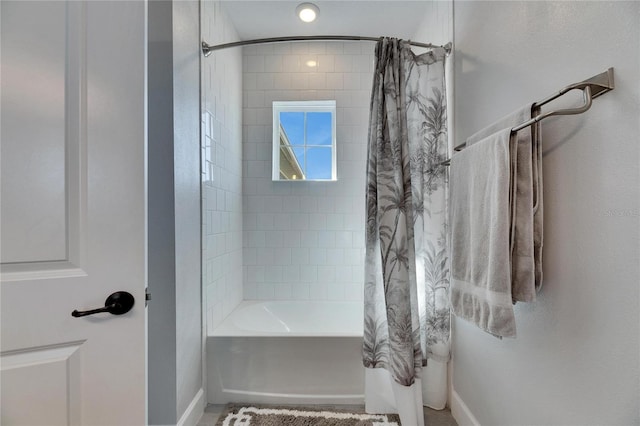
302, 106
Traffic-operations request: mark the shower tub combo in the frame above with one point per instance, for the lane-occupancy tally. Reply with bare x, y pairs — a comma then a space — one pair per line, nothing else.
288, 352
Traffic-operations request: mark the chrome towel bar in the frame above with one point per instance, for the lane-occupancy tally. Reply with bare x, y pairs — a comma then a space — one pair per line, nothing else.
592, 88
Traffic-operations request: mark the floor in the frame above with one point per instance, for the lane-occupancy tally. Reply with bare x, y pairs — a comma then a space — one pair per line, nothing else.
431, 417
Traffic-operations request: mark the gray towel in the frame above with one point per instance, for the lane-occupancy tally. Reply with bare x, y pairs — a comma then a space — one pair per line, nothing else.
480, 210
526, 220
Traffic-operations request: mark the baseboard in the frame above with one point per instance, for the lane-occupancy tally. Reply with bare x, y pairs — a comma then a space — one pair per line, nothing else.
194, 411
461, 412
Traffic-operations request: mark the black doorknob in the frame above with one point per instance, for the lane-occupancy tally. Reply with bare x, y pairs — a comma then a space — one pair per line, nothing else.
117, 303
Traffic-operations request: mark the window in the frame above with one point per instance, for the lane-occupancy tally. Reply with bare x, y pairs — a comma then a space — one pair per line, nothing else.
304, 140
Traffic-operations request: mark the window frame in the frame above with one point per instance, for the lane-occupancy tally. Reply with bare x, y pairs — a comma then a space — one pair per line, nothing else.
306, 107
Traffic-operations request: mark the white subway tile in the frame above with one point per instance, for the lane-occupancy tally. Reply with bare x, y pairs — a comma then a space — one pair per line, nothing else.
282, 48
250, 291
335, 291
366, 81
273, 63
265, 256
352, 48
335, 256
291, 238
300, 221
308, 204
317, 47
257, 169
309, 274
255, 274
300, 256
265, 221
249, 256
317, 81
309, 238
334, 221
317, 221
249, 221
255, 98
353, 292
326, 238
283, 291
255, 238
344, 239
272, 204
352, 87
334, 47
300, 48
291, 273
248, 81
273, 239
254, 63
326, 63
343, 273
343, 63
300, 291
326, 273
300, 81
265, 292
273, 273
263, 82
283, 256
291, 64
282, 221
335, 81
318, 291
358, 239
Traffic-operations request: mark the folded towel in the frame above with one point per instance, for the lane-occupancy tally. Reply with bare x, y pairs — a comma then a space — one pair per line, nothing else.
480, 209
526, 220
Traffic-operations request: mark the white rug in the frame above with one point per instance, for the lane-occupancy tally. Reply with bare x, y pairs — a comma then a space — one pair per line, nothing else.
251, 415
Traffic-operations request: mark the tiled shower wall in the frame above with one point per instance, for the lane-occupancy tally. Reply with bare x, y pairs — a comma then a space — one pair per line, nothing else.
221, 167
305, 240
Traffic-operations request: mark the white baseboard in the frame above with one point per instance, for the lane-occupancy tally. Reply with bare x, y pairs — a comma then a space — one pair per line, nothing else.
461, 412
194, 411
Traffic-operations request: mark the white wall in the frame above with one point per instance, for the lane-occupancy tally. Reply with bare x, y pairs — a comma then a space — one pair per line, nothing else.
221, 167
304, 240
575, 360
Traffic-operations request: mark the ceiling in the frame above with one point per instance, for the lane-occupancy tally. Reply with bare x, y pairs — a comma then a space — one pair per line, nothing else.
258, 19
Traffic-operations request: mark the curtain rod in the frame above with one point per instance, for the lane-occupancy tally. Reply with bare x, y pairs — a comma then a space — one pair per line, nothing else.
207, 48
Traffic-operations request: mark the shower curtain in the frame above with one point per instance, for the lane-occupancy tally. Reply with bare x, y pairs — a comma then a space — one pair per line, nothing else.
406, 335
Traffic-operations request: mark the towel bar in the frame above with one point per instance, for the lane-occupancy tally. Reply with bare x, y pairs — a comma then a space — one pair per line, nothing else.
592, 88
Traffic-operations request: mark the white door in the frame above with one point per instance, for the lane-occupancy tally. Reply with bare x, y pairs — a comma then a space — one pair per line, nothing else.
73, 211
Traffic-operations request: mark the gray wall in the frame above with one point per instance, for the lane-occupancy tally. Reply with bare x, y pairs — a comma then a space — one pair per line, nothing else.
186, 92
575, 360
175, 313
161, 263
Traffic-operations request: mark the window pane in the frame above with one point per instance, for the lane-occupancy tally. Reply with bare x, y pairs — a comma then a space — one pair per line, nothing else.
293, 125
318, 164
291, 166
319, 128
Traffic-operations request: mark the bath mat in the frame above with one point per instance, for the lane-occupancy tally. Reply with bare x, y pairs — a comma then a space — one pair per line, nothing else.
259, 415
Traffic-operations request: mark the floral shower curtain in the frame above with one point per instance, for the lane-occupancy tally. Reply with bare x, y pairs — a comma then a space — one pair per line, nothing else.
407, 273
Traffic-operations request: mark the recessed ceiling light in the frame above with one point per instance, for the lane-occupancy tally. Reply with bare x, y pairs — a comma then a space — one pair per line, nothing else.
307, 12
311, 63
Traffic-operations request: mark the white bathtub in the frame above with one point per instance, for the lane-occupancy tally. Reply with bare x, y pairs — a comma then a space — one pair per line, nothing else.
287, 352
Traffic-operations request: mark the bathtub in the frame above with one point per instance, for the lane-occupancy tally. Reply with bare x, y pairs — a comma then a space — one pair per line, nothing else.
287, 352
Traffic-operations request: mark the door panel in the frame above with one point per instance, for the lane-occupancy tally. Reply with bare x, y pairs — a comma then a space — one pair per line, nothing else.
73, 211
34, 91
47, 378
